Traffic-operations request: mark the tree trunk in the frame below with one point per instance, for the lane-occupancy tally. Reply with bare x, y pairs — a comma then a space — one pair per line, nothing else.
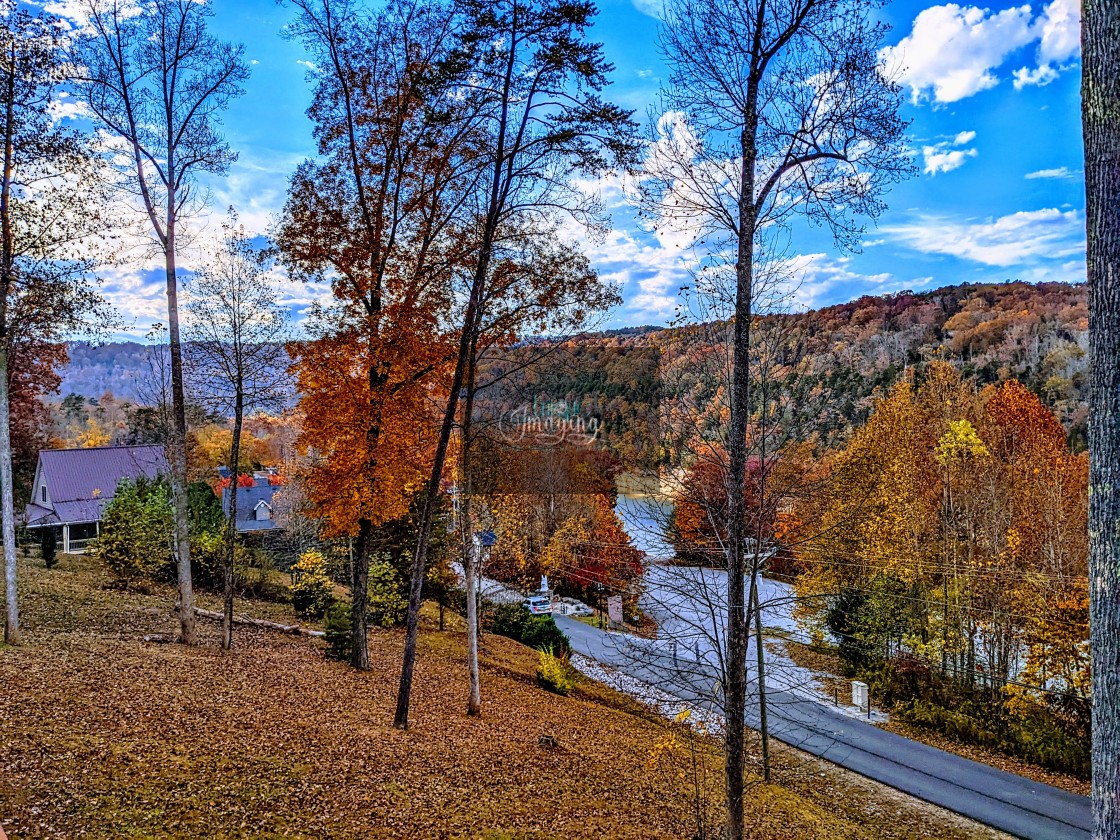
420, 558
7, 260
7, 507
177, 445
474, 701
359, 598
472, 556
471, 319
735, 690
755, 604
1100, 98
231, 525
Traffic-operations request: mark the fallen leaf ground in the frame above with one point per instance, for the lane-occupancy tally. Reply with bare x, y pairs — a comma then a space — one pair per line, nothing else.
104, 735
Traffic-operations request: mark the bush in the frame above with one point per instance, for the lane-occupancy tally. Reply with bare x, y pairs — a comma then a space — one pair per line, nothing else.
386, 605
337, 631
136, 531
1034, 737
257, 583
49, 547
312, 591
542, 633
208, 549
1044, 734
204, 508
554, 673
536, 631
508, 620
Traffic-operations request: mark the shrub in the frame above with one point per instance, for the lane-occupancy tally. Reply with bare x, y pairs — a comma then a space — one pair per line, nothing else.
337, 631
554, 673
386, 604
542, 633
254, 576
536, 631
136, 530
312, 591
204, 508
49, 547
1034, 737
208, 550
508, 620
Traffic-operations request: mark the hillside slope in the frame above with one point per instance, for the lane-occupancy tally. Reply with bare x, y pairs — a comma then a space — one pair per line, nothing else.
104, 735
1037, 334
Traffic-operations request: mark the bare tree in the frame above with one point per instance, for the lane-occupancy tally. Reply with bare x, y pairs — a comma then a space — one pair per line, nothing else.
156, 82
546, 287
236, 357
531, 84
1100, 98
775, 107
48, 209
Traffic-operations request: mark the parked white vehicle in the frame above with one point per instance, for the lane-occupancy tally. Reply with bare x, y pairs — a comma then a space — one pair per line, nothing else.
538, 605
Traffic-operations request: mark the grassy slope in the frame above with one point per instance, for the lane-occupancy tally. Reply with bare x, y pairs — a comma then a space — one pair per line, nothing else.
103, 735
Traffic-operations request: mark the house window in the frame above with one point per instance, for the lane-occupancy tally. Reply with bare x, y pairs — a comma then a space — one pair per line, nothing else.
264, 512
43, 493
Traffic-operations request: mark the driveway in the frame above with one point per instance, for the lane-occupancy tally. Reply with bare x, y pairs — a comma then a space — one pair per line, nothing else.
1010, 803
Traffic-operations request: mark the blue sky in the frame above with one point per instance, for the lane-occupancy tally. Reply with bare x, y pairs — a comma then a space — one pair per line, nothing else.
992, 96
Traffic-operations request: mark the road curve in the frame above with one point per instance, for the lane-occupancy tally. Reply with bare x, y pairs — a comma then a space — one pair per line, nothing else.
1014, 804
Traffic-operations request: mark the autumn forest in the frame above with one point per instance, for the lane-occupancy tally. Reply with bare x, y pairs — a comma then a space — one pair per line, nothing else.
439, 553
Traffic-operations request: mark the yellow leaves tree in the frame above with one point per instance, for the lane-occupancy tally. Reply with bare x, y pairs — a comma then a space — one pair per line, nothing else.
91, 434
974, 501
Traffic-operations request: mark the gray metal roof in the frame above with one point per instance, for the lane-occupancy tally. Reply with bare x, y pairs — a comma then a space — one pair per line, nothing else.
38, 516
80, 482
247, 500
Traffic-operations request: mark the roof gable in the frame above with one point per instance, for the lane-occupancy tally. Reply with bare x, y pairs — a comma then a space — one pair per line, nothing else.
249, 499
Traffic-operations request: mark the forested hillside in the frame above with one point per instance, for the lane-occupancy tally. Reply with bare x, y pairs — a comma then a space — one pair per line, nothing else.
119, 366
1034, 333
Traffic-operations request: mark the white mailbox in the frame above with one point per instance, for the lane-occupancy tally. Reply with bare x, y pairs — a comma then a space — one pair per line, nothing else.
859, 695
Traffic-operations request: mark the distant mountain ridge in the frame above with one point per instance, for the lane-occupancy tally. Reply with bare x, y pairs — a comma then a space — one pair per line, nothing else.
1035, 333
119, 366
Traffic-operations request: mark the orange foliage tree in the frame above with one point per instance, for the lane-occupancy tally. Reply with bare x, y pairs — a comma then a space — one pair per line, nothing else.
372, 217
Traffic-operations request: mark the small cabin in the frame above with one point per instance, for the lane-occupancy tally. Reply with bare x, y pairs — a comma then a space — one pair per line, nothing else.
73, 486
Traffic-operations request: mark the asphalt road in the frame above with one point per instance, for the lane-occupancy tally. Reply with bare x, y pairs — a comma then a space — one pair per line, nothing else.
1002, 800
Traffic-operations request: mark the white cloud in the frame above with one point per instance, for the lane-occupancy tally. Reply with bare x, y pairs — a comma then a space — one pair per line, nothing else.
1061, 172
310, 65
820, 279
1023, 238
1040, 76
940, 157
649, 270
952, 51
1059, 31
653, 8
939, 160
